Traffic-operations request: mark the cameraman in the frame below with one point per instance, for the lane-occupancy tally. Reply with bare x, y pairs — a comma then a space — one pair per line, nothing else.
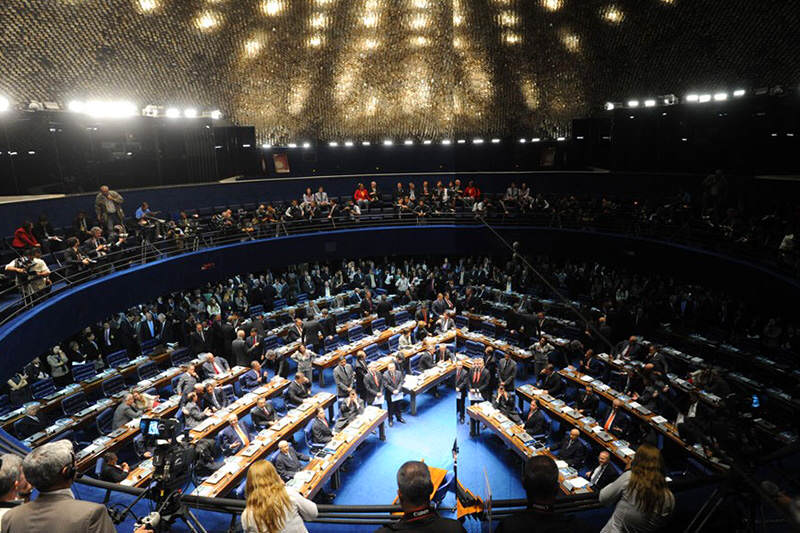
32, 274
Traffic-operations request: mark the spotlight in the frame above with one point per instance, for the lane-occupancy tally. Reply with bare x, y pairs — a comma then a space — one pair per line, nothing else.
522, 141
348, 143
190, 112
445, 141
461, 141
292, 145
306, 145
692, 98
704, 98
535, 140
495, 141
609, 106
633, 103
408, 142
670, 99
426, 141
333, 144
559, 139
76, 106
720, 97
216, 114
477, 141
365, 143
245, 146
173, 112
650, 103
266, 146
388, 142
738, 93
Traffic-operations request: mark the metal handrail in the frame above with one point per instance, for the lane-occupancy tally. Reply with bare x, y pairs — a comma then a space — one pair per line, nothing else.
148, 252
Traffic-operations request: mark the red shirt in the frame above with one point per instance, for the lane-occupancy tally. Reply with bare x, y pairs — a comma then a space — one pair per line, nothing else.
361, 194
23, 239
472, 192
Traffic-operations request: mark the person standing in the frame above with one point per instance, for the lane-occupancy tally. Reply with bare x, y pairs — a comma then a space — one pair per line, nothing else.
108, 208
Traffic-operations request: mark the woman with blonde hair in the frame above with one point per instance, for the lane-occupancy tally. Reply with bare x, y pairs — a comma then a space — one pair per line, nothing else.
271, 507
643, 501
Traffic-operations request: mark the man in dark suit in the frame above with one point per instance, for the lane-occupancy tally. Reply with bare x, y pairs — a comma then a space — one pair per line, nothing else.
312, 334
657, 359
253, 378
603, 474
263, 414
295, 332
228, 334
393, 385
367, 304
629, 349
198, 340
320, 429
462, 383
241, 352
480, 382
373, 384
327, 325
348, 410
507, 371
31, 423
438, 306
426, 360
148, 328
571, 450
255, 350
213, 397
287, 463
617, 422
215, 366
108, 339
111, 471
551, 381
345, 377
384, 310
535, 422
490, 363
297, 391
540, 325
234, 437
587, 402
50, 468
589, 364
504, 402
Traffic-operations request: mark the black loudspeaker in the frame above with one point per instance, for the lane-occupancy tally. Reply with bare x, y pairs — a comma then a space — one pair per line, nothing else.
236, 151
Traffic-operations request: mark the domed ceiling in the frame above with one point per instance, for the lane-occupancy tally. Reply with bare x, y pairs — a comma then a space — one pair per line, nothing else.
360, 69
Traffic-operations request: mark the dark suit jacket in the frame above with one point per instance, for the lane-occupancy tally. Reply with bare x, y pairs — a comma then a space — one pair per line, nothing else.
553, 384
228, 439
587, 403
197, 344
371, 388
320, 432
384, 311
58, 513
296, 393
536, 423
606, 478
574, 454
112, 474
261, 418
425, 361
293, 334
311, 332
348, 412
288, 464
249, 380
344, 378
621, 425
240, 352
462, 382
483, 384
27, 426
222, 364
507, 372
392, 382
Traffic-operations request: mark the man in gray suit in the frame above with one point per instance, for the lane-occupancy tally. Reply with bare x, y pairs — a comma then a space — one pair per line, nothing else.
126, 411
215, 366
345, 378
241, 354
50, 468
187, 381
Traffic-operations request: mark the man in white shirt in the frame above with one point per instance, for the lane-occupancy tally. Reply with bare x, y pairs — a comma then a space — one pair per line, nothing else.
603, 474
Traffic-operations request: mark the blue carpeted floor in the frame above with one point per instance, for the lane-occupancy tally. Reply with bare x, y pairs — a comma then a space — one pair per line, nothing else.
429, 436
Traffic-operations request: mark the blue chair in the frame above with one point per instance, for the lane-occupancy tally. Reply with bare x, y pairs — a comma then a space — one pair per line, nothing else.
313, 447
274, 455
138, 446
98, 467
83, 372
270, 342
448, 484
229, 394
379, 291
379, 324
72, 404
148, 345
280, 303
112, 385
401, 316
341, 316
42, 388
218, 442
118, 358
356, 333
16, 429
287, 404
5, 404
104, 421
372, 352
238, 492
488, 329
393, 343
474, 349
180, 356
256, 309
461, 321
147, 370
173, 382
332, 343
302, 298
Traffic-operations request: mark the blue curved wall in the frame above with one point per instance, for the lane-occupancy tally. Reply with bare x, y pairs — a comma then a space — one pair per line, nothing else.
34, 332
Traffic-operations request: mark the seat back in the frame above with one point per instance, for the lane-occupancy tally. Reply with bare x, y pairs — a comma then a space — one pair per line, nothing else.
355, 333
104, 421
488, 329
341, 316
180, 356
42, 388
302, 298
461, 321
5, 404
308, 435
148, 345
118, 358
474, 349
74, 403
112, 385
83, 372
401, 316
230, 396
279, 303
272, 456
270, 342
331, 343
147, 370
98, 467
379, 324
372, 352
218, 442
393, 342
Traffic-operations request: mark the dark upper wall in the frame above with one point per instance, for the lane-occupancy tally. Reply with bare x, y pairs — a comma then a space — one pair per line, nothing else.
34, 332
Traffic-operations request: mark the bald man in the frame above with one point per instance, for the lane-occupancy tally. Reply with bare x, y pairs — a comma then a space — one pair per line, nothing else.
571, 450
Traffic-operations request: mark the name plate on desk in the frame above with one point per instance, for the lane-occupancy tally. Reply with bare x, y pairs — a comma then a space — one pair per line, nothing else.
117, 432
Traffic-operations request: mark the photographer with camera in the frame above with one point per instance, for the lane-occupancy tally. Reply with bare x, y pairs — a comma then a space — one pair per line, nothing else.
31, 273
